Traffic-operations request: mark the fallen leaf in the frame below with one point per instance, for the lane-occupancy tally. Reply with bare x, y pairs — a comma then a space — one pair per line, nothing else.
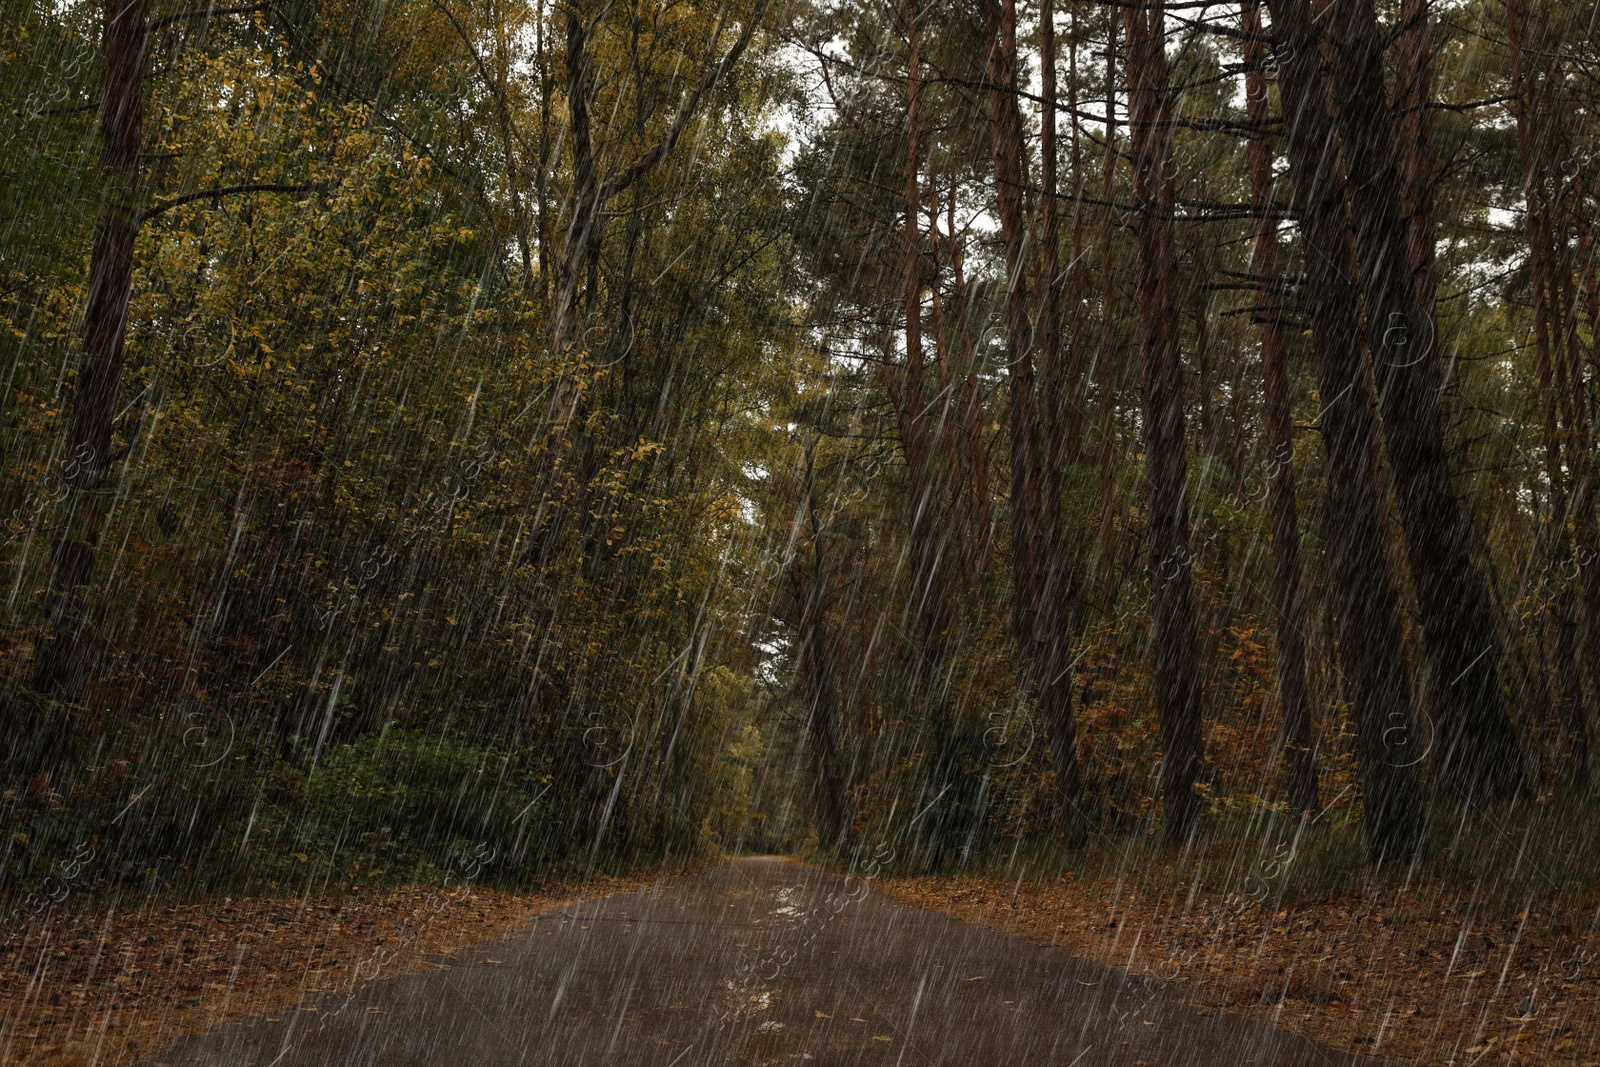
821, 1015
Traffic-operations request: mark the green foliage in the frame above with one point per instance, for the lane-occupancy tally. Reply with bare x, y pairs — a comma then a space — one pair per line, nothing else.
434, 622
415, 804
345, 521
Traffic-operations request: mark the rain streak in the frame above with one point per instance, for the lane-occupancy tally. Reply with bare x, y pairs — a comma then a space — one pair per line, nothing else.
921, 532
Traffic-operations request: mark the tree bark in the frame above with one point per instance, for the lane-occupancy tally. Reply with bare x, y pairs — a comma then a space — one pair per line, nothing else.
585, 208
1072, 446
1365, 601
1039, 620
828, 787
927, 579
1105, 356
1416, 144
977, 451
1550, 340
1299, 740
1586, 529
1175, 638
1476, 756
61, 659
1055, 624
1010, 181
590, 195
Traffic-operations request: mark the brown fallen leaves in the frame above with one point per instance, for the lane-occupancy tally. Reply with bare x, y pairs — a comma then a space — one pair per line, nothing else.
1398, 975
113, 986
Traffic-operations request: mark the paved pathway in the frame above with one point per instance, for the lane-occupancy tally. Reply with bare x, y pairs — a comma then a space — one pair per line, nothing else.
758, 961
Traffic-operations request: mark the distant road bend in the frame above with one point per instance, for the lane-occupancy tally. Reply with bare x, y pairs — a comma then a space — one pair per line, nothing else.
757, 961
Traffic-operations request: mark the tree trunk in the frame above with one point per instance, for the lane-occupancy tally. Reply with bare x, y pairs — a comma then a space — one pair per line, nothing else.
584, 210
1365, 601
1105, 357
542, 171
61, 659
1299, 740
977, 452
1177, 679
1416, 146
1552, 339
1007, 146
828, 787
1476, 756
927, 581
1586, 529
1072, 446
1055, 624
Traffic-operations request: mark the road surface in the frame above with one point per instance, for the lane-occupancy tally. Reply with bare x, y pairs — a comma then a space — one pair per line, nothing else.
758, 961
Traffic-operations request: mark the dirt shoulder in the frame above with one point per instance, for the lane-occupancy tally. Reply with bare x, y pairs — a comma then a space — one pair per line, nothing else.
109, 987
1402, 976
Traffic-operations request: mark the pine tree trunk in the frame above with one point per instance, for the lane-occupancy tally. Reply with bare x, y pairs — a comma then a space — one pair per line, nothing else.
1538, 219
1054, 650
1072, 446
1007, 145
1416, 146
1476, 756
1105, 356
1174, 635
1364, 601
1299, 740
1586, 528
927, 582
828, 786
977, 452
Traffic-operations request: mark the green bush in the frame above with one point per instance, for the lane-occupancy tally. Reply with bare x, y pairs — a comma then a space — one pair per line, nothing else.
405, 804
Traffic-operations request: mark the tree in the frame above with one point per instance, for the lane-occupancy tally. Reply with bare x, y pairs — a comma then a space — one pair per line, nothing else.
1055, 622
1366, 605
1173, 632
928, 541
1289, 583
1476, 755
1534, 149
61, 661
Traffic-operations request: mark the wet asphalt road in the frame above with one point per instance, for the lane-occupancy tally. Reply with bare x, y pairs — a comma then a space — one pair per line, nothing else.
758, 961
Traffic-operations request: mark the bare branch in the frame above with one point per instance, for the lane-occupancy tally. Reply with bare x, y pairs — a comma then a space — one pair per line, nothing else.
708, 79
218, 193
200, 14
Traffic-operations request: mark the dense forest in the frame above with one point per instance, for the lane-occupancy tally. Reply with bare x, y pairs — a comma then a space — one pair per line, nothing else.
461, 439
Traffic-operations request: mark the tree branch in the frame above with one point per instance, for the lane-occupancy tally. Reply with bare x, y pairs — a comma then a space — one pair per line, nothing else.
1469, 105
218, 193
708, 79
205, 13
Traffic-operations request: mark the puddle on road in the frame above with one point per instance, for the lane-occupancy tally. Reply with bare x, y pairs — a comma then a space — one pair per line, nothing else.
789, 902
